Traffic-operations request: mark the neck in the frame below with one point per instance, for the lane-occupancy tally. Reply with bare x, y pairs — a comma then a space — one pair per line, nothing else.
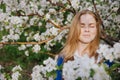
83, 48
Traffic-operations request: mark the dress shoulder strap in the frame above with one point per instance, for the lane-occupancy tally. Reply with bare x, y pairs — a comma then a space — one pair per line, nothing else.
60, 61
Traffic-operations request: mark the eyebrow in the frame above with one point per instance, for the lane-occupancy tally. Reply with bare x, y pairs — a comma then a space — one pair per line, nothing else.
89, 24
82, 24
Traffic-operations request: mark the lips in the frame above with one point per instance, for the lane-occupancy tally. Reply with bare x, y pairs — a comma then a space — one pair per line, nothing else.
86, 35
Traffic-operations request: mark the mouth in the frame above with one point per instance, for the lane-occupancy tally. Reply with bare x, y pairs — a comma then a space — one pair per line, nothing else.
86, 35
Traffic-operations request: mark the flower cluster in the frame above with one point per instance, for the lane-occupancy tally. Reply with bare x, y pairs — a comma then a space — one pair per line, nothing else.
111, 56
109, 53
45, 71
16, 73
83, 68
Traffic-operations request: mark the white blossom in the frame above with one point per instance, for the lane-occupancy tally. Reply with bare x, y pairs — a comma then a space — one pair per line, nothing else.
36, 48
28, 45
48, 25
52, 11
54, 31
51, 64
47, 16
22, 4
75, 3
3, 16
108, 54
55, 1
69, 17
100, 74
2, 77
22, 47
36, 37
64, 1
40, 70
34, 7
5, 39
40, 12
43, 3
33, 20
40, 24
116, 50
16, 37
16, 72
15, 75
36, 76
81, 67
27, 53
37, 68
17, 68
16, 20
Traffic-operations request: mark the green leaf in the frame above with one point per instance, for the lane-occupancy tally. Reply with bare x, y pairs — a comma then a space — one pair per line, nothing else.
52, 73
79, 78
115, 66
92, 72
3, 7
60, 67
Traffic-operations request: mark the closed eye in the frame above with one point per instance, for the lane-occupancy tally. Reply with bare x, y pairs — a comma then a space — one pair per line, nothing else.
92, 26
82, 26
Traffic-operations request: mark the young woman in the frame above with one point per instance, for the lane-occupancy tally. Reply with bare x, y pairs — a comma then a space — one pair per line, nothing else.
83, 38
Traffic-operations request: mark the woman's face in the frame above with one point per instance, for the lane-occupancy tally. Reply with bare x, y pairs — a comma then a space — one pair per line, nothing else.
88, 28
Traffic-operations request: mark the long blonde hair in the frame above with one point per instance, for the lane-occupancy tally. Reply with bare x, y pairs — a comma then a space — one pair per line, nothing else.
74, 33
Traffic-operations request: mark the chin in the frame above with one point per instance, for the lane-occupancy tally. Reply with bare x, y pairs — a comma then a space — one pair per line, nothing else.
86, 41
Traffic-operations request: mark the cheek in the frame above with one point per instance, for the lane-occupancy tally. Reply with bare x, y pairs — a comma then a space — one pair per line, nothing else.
82, 31
94, 32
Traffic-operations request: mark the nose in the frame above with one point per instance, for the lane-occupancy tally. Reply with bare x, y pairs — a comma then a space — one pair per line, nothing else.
86, 29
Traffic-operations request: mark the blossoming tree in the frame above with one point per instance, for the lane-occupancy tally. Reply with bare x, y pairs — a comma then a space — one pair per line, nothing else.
33, 30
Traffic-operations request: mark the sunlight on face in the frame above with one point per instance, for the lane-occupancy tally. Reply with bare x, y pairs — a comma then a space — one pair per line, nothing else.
88, 28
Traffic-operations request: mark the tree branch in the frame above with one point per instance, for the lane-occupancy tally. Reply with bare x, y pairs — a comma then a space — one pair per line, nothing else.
40, 42
55, 24
50, 21
107, 38
74, 11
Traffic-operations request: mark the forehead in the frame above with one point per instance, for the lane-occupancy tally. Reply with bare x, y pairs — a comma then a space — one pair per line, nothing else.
87, 18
